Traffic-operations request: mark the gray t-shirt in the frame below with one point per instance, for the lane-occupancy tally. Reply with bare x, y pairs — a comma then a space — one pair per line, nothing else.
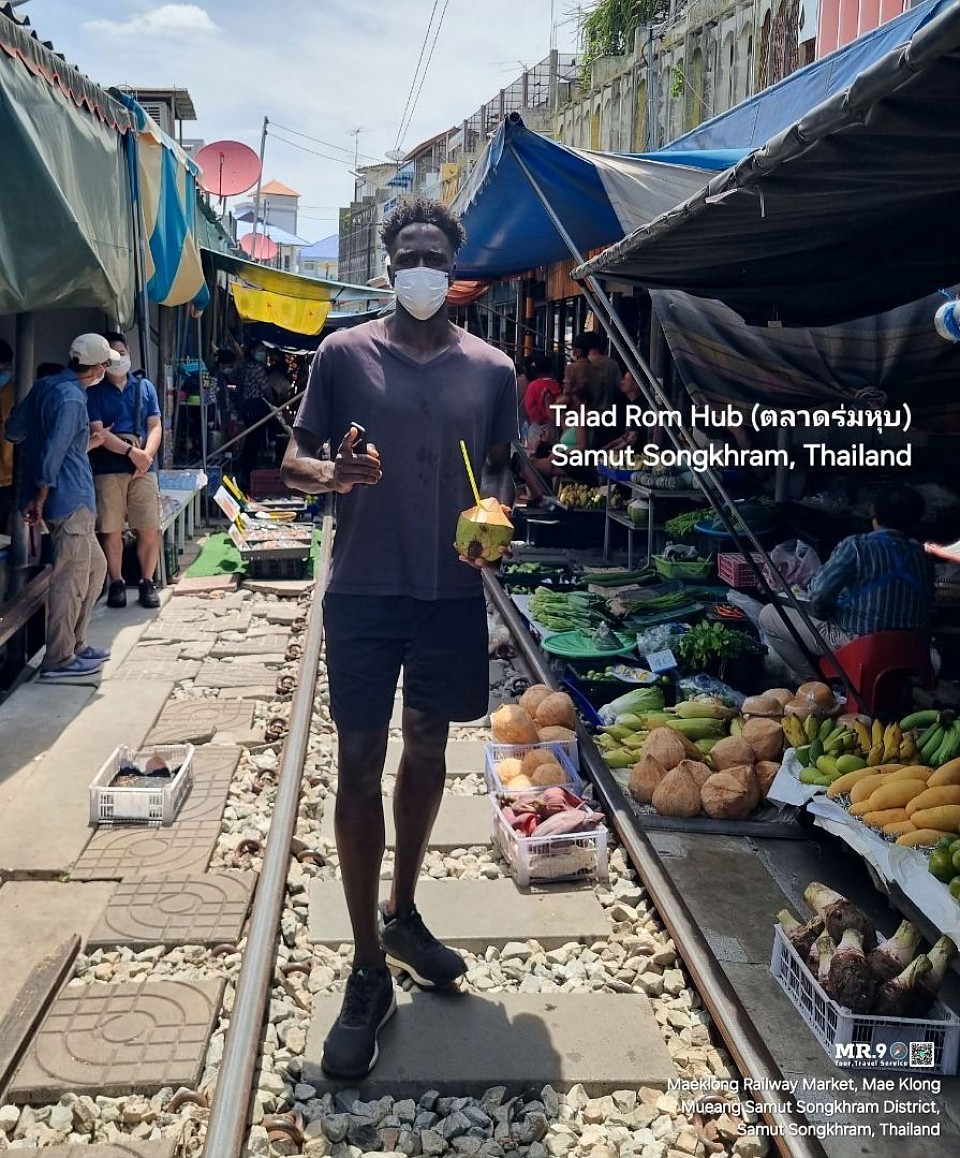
396, 538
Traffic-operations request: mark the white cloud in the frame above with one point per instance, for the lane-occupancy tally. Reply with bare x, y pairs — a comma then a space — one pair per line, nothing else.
173, 21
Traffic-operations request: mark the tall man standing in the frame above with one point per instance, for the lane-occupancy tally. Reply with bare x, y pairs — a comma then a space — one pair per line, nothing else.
57, 488
398, 596
126, 411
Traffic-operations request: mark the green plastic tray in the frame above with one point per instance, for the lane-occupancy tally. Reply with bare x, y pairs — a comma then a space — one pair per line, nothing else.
576, 645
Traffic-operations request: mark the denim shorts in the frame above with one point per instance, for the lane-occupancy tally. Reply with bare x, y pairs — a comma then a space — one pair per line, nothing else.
441, 645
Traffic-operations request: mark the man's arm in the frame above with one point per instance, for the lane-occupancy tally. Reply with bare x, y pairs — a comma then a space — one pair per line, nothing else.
839, 571
304, 470
63, 430
143, 459
497, 479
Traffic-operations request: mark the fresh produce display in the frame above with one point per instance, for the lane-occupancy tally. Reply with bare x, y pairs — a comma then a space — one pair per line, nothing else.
553, 812
944, 864
683, 525
541, 715
617, 577
568, 610
888, 979
709, 646
580, 497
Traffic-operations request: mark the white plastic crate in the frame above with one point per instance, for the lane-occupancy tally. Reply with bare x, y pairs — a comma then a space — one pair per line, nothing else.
832, 1025
575, 856
151, 804
497, 752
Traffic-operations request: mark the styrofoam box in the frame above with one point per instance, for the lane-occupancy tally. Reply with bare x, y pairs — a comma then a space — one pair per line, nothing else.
573, 856
497, 752
151, 804
832, 1025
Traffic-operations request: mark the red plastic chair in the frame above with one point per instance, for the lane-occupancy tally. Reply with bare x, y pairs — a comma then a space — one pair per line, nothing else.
881, 666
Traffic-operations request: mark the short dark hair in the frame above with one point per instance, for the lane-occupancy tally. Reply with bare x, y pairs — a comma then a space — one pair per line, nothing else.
586, 341
45, 369
6, 354
898, 507
423, 211
113, 336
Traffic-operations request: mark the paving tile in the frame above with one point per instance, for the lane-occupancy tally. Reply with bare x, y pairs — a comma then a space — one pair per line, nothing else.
250, 692
62, 778
463, 822
282, 613
176, 910
36, 917
197, 721
171, 670
463, 757
276, 643
475, 914
519, 1040
153, 650
215, 674
163, 632
284, 588
115, 854
197, 585
128, 1148
120, 1039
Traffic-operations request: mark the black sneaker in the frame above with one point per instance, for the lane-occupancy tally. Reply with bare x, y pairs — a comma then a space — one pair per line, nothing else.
351, 1049
148, 594
117, 594
409, 945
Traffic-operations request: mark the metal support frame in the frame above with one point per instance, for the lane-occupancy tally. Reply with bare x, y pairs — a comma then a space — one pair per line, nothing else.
229, 1114
741, 1036
650, 388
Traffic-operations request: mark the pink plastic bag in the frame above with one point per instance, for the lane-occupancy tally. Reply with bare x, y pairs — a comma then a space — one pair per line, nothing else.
797, 562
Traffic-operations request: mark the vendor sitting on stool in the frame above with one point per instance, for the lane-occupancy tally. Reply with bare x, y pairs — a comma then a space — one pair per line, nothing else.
882, 581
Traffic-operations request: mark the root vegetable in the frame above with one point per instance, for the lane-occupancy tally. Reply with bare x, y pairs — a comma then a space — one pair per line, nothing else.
677, 794
801, 937
556, 711
822, 953
849, 981
896, 995
839, 914
926, 992
645, 776
533, 697
894, 954
729, 751
765, 737
511, 725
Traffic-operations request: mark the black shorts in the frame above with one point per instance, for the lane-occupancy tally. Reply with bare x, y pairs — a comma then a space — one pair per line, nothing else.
440, 644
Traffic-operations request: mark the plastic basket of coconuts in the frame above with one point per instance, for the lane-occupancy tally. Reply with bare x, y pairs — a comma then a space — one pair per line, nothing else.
147, 786
520, 767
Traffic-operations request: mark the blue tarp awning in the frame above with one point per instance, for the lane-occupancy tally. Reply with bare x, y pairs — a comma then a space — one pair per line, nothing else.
599, 197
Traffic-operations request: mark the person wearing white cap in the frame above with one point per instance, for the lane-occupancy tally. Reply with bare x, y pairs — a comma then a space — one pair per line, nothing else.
57, 488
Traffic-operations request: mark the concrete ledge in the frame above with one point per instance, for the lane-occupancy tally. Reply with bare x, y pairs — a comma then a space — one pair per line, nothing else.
463, 1044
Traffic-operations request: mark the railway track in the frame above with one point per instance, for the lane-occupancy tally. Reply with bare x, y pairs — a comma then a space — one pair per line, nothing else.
539, 1077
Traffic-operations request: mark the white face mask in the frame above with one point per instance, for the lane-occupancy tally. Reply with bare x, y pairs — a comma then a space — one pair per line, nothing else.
122, 367
421, 291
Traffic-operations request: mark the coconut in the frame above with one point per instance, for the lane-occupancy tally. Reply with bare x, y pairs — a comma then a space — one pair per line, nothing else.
821, 694
725, 798
729, 751
533, 697
765, 772
745, 775
782, 695
556, 735
697, 770
677, 794
665, 746
534, 758
509, 769
520, 782
765, 705
511, 725
556, 711
545, 775
644, 778
765, 737
483, 531
801, 708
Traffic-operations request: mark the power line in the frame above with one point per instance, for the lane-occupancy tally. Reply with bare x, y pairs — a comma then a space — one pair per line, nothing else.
426, 68
318, 141
416, 72
314, 152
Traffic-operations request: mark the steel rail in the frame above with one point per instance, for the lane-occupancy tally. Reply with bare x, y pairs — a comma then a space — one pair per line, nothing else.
741, 1036
229, 1114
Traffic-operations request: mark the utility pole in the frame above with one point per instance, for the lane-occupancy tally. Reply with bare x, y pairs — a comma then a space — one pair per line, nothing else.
256, 200
355, 133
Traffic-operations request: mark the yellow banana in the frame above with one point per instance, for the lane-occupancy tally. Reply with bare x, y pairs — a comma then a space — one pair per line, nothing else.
793, 730
892, 737
863, 735
908, 749
876, 733
875, 755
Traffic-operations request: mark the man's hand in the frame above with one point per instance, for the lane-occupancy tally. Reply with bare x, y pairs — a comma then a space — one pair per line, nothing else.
480, 563
33, 511
141, 461
350, 470
97, 437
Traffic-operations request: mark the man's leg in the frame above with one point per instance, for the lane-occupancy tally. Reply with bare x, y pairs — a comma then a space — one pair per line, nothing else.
96, 570
416, 799
68, 586
111, 516
783, 643
359, 827
111, 544
143, 515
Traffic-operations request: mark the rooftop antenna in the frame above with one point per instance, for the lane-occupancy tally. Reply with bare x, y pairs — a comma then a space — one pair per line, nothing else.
553, 26
355, 133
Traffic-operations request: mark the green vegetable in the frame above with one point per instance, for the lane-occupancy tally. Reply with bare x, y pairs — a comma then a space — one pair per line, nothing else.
707, 642
636, 702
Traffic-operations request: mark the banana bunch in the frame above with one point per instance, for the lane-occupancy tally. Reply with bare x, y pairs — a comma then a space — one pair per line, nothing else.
819, 739
939, 742
579, 495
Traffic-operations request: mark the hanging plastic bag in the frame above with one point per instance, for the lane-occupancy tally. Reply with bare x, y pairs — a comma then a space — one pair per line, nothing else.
797, 562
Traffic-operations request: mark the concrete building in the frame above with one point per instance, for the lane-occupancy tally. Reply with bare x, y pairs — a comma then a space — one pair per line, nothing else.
361, 256
840, 21
322, 258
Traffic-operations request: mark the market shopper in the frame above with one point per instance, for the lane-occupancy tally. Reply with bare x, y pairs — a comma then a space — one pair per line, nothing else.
251, 382
398, 596
594, 378
7, 399
126, 410
57, 489
881, 581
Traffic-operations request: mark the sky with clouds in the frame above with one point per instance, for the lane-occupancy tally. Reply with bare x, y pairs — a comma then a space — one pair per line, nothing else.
320, 67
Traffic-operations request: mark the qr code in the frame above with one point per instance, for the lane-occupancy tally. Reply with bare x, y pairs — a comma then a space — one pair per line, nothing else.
922, 1054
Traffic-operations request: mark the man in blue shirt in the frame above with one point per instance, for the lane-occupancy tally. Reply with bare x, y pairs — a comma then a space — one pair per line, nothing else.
57, 488
126, 409
882, 581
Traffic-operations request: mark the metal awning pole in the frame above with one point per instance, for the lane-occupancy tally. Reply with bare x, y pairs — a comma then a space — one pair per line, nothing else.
275, 412
653, 394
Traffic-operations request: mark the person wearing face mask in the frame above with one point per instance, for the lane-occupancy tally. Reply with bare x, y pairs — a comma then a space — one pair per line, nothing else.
398, 595
57, 489
7, 400
126, 411
251, 382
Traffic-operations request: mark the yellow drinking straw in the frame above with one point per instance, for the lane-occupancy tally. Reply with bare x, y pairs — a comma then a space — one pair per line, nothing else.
466, 463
